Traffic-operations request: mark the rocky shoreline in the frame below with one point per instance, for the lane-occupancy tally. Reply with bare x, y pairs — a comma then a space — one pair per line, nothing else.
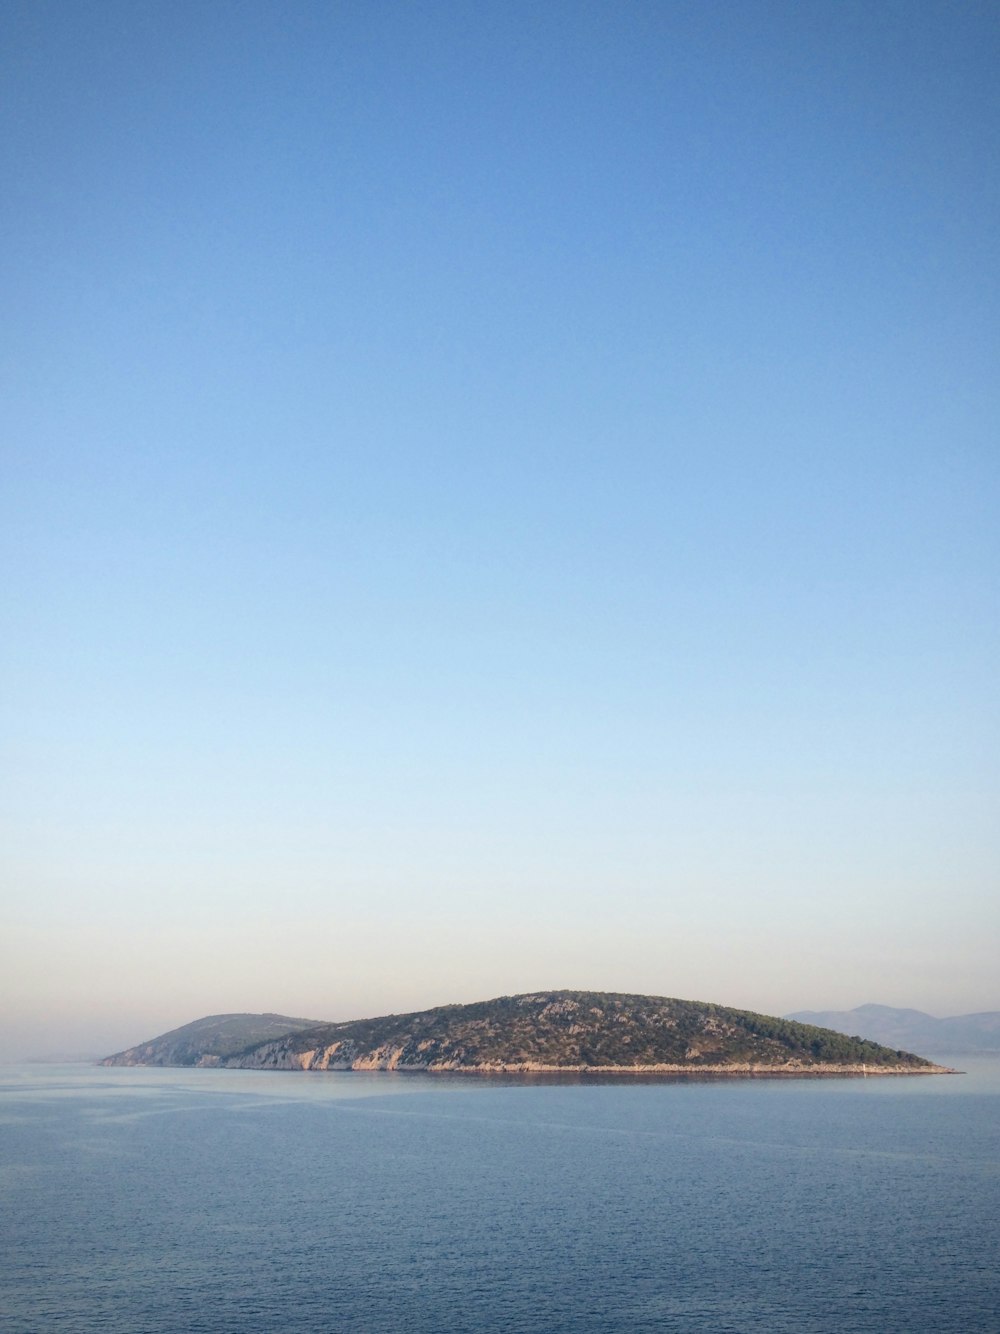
277, 1056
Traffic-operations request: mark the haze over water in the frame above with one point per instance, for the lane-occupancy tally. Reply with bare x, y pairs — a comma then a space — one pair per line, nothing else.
496, 498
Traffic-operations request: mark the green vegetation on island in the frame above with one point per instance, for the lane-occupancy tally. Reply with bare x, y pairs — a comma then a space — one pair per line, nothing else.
542, 1031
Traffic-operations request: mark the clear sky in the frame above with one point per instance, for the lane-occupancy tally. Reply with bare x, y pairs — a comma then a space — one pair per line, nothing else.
497, 496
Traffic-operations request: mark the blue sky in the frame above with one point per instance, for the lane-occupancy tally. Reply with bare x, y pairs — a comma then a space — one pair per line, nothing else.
496, 497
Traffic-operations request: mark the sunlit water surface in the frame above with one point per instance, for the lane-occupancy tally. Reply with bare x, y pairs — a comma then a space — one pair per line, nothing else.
135, 1201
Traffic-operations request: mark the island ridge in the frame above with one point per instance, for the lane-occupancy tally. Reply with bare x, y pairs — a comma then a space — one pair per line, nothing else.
550, 1031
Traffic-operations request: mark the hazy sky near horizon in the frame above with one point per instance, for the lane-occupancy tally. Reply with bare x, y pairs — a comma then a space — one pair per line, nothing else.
497, 496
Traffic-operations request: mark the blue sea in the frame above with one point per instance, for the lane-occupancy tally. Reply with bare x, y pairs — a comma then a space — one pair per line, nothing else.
233, 1202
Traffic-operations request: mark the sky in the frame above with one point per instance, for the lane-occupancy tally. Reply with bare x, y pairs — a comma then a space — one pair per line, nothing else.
496, 497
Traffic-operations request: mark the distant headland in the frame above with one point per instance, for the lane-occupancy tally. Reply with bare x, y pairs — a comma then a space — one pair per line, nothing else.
962, 1033
541, 1032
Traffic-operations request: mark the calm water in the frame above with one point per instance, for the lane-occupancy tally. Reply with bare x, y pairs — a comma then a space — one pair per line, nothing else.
232, 1201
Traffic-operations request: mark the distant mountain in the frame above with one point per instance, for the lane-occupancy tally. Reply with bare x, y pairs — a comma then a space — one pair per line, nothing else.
912, 1029
207, 1041
543, 1031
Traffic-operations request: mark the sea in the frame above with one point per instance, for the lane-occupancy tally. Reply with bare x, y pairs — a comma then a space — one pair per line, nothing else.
153, 1201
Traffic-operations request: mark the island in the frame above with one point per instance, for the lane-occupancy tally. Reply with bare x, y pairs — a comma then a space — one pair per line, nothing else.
548, 1032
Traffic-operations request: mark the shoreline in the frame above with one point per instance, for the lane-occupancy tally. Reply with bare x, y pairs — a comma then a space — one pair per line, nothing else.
731, 1070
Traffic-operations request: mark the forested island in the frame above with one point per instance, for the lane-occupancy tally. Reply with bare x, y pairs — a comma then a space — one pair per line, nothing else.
541, 1032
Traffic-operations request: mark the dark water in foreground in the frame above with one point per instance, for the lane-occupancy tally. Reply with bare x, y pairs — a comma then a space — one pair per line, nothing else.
232, 1201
